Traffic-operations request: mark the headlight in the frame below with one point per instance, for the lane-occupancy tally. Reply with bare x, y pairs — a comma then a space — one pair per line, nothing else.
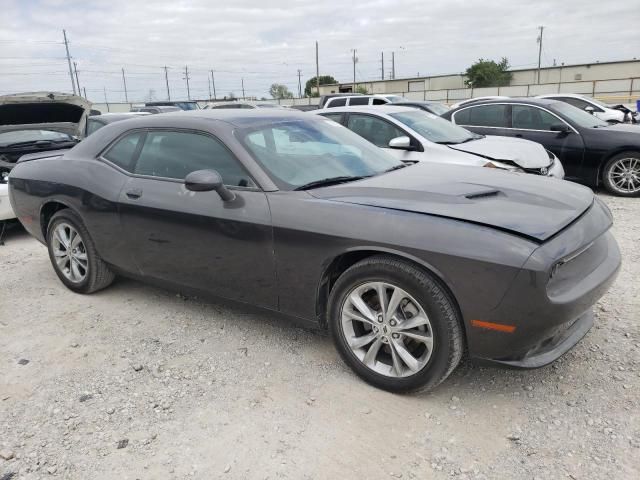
4, 176
502, 166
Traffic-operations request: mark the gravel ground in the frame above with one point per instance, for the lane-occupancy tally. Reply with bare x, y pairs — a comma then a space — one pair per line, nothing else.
136, 382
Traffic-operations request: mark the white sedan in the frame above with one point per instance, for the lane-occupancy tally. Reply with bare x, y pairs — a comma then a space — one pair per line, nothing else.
413, 135
590, 105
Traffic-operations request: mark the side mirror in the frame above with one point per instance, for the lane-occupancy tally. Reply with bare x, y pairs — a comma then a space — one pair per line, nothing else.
206, 181
400, 143
560, 128
589, 109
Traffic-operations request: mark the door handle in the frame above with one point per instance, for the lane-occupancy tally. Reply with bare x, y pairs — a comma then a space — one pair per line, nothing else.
134, 193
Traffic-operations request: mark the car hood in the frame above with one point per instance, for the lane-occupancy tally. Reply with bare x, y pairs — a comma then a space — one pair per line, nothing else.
526, 205
623, 129
58, 112
524, 153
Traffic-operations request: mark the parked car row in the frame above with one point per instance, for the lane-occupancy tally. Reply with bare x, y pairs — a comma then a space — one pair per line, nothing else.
407, 265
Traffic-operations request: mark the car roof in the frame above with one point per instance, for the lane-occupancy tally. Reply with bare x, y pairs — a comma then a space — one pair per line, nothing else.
376, 109
116, 116
556, 95
542, 102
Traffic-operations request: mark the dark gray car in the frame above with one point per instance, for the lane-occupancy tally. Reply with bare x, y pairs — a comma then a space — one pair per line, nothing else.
406, 266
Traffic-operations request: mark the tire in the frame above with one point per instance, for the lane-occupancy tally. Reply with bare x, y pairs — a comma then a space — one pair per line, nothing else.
625, 163
95, 274
380, 276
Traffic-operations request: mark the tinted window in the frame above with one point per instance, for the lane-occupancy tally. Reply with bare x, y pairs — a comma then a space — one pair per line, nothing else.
92, 126
336, 117
576, 102
532, 118
338, 102
359, 101
483, 116
379, 101
121, 153
376, 130
176, 154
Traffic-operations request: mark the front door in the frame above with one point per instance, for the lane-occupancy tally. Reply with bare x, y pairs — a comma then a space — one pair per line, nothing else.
194, 238
533, 123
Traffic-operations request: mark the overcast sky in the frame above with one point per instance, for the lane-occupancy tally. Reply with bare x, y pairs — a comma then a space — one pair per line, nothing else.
267, 42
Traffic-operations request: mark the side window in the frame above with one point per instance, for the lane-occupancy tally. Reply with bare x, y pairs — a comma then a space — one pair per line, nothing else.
176, 154
376, 130
379, 101
338, 102
532, 118
121, 153
358, 101
92, 126
336, 117
483, 116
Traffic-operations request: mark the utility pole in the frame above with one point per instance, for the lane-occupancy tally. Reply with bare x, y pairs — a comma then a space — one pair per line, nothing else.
75, 70
104, 89
382, 64
186, 77
66, 46
299, 84
393, 65
84, 89
355, 59
166, 79
213, 83
317, 71
209, 83
124, 82
539, 51
242, 81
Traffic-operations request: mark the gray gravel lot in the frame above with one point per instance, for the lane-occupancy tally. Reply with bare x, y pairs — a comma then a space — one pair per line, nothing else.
136, 382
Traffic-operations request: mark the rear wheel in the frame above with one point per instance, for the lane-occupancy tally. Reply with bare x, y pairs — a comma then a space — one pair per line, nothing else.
621, 174
395, 325
73, 254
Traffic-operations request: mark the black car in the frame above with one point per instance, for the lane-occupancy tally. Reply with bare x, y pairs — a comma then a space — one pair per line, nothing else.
437, 108
592, 151
406, 266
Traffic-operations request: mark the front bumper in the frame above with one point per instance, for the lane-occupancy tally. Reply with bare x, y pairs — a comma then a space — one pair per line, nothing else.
6, 212
548, 306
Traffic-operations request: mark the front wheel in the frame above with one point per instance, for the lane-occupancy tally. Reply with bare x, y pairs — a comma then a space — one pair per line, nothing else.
395, 325
74, 256
621, 174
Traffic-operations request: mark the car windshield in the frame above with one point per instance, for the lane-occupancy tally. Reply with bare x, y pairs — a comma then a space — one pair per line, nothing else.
597, 102
301, 152
578, 116
434, 128
187, 105
20, 136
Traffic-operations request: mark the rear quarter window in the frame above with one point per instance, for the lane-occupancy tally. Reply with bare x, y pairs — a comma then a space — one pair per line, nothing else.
483, 116
337, 102
122, 152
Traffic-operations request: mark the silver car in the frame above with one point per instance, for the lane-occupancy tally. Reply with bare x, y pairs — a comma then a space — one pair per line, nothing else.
415, 135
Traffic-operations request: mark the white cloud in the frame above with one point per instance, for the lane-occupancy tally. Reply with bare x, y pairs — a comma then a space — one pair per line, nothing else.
267, 42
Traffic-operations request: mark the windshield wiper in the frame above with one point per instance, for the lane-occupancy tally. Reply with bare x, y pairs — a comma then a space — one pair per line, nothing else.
397, 167
325, 182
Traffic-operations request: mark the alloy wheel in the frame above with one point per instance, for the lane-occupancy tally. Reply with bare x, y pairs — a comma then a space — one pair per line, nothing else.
387, 329
70, 253
624, 175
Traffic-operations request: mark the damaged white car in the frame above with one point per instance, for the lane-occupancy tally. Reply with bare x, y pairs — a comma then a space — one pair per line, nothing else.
32, 123
413, 135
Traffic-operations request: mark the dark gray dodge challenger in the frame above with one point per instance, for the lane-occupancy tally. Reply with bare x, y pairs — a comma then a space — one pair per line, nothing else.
407, 266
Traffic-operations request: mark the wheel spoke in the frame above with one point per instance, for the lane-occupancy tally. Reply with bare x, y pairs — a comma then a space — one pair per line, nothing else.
395, 358
350, 315
75, 239
62, 261
75, 271
394, 302
359, 342
59, 253
408, 359
413, 322
58, 236
371, 355
357, 301
381, 289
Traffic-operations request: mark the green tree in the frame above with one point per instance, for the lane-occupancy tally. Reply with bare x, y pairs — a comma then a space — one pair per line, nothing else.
310, 86
279, 91
362, 89
487, 73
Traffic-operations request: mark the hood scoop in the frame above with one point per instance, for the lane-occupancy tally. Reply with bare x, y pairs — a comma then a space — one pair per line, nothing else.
485, 194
